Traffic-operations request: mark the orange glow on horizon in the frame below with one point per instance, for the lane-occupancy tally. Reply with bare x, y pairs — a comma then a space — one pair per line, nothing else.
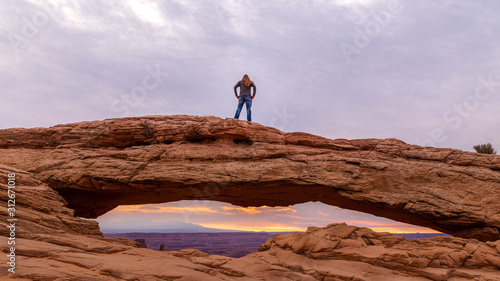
258, 210
267, 228
167, 209
269, 219
226, 210
403, 229
287, 228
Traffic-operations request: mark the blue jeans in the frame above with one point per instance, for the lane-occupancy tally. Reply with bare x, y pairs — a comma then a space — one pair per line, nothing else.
244, 100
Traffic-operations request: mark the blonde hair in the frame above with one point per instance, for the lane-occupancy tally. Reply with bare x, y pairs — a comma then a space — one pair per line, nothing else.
246, 80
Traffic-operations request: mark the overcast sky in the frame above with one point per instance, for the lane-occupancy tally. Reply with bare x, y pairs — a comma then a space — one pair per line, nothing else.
426, 72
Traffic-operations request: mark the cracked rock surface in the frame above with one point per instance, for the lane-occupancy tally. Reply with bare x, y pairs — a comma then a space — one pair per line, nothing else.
99, 165
88, 168
51, 244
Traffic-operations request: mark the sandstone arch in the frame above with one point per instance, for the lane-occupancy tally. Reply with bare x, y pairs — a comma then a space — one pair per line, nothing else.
99, 165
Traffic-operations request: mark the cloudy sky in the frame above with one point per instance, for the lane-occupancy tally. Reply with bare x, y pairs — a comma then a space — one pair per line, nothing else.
426, 72
226, 216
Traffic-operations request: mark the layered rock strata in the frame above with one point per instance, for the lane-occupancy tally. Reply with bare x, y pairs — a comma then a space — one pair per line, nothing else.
51, 244
99, 165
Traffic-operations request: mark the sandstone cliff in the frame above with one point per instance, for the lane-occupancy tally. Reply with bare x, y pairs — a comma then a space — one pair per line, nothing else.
51, 244
99, 165
169, 158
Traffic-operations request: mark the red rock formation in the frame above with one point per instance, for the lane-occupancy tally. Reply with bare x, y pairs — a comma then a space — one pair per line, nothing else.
38, 209
99, 165
372, 254
51, 244
142, 242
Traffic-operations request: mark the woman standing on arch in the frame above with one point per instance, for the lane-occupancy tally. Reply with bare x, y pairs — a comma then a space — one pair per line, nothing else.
245, 96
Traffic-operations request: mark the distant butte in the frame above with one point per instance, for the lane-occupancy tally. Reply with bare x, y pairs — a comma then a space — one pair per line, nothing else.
99, 165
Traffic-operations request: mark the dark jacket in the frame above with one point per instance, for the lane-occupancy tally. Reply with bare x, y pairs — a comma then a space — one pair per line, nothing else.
244, 91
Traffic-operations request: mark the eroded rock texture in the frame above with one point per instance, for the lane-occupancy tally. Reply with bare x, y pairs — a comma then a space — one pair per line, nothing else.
51, 244
99, 165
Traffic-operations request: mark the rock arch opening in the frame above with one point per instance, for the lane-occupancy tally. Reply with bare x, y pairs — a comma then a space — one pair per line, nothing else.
219, 228
93, 203
97, 166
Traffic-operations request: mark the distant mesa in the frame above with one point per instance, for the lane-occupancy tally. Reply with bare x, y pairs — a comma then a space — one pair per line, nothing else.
149, 226
142, 242
229, 244
99, 165
233, 244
